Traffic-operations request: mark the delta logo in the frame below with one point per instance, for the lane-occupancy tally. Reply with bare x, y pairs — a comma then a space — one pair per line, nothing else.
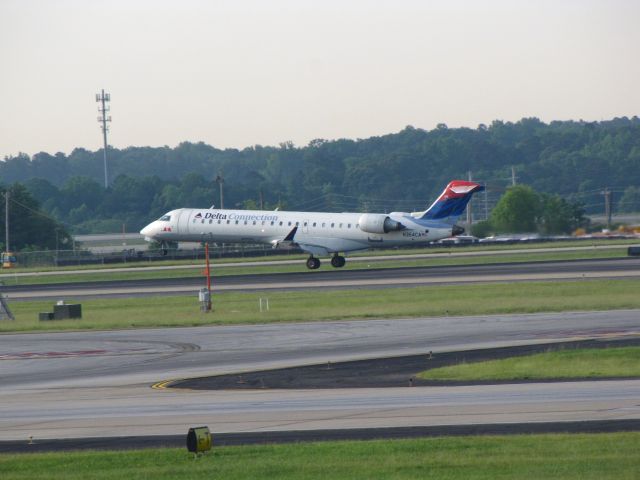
215, 215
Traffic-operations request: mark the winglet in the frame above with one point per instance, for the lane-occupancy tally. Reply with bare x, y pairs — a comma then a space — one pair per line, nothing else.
292, 233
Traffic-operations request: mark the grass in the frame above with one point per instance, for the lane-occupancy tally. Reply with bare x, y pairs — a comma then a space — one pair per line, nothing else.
303, 306
576, 363
435, 258
284, 255
561, 456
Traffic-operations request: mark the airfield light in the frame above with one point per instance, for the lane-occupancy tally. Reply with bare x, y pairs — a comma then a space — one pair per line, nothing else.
199, 440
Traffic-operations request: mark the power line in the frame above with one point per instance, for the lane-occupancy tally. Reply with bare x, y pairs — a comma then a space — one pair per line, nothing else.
40, 213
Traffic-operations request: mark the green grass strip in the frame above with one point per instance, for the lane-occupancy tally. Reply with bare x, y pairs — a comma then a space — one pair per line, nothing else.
305, 306
563, 456
436, 258
577, 363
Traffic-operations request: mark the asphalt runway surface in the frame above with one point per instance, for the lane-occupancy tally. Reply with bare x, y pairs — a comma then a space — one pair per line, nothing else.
628, 267
387, 372
98, 385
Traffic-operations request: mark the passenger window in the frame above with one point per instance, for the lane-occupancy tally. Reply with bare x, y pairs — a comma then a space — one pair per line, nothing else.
228, 222
254, 222
289, 223
237, 222
297, 224
332, 225
340, 225
210, 221
202, 221
245, 222
323, 224
219, 221
272, 223
280, 223
314, 224
348, 225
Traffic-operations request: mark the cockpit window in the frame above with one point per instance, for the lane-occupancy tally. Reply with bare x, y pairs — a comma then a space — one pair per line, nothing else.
165, 218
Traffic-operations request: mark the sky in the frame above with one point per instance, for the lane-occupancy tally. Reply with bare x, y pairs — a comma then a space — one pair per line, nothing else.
240, 73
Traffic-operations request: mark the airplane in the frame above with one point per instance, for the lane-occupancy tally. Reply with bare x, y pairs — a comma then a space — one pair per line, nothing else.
317, 233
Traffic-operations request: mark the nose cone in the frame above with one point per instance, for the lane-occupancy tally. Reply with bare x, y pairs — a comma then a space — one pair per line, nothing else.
149, 231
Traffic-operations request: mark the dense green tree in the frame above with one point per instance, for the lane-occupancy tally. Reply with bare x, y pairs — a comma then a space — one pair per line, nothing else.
523, 210
630, 200
559, 216
403, 171
518, 211
78, 191
29, 227
482, 229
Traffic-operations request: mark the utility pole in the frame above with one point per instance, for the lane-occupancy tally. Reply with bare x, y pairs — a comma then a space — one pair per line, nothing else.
607, 205
486, 202
103, 98
220, 182
6, 221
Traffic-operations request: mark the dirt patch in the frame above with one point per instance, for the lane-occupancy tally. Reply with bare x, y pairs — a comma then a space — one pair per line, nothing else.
381, 372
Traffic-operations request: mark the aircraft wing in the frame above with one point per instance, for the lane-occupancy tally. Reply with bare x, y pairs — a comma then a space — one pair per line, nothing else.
322, 246
286, 242
318, 246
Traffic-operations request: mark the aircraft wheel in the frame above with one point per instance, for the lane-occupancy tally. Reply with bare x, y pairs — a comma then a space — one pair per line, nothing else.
337, 261
313, 263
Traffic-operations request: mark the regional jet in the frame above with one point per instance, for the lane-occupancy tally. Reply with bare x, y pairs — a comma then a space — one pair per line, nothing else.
318, 233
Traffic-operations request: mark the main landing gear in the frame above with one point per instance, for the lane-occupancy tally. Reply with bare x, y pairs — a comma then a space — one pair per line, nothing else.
337, 261
313, 263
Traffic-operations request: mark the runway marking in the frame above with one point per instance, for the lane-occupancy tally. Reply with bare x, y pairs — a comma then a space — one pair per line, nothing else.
59, 354
162, 385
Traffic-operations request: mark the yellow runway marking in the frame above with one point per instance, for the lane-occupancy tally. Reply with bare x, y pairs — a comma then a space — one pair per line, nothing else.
161, 385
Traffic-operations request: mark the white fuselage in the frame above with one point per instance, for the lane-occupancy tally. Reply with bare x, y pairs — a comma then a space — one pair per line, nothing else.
319, 233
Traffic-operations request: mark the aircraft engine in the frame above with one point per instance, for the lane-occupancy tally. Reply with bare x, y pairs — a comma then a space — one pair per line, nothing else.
377, 223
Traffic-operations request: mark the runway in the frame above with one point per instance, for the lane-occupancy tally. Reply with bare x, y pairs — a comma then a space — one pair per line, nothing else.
340, 279
98, 384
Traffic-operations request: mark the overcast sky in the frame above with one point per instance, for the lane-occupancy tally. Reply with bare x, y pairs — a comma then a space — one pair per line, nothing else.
240, 73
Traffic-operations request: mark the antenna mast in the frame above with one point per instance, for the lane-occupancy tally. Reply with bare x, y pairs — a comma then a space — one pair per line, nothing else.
103, 108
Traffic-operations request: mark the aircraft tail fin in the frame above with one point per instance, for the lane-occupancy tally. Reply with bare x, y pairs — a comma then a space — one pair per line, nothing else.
451, 202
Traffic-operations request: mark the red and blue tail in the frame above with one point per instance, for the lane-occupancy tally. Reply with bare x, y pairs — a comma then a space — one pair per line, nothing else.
452, 202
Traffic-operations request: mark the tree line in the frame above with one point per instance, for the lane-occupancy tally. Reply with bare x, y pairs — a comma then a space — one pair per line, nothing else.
403, 171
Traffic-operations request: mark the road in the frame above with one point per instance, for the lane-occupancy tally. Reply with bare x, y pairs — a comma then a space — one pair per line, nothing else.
340, 279
96, 384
